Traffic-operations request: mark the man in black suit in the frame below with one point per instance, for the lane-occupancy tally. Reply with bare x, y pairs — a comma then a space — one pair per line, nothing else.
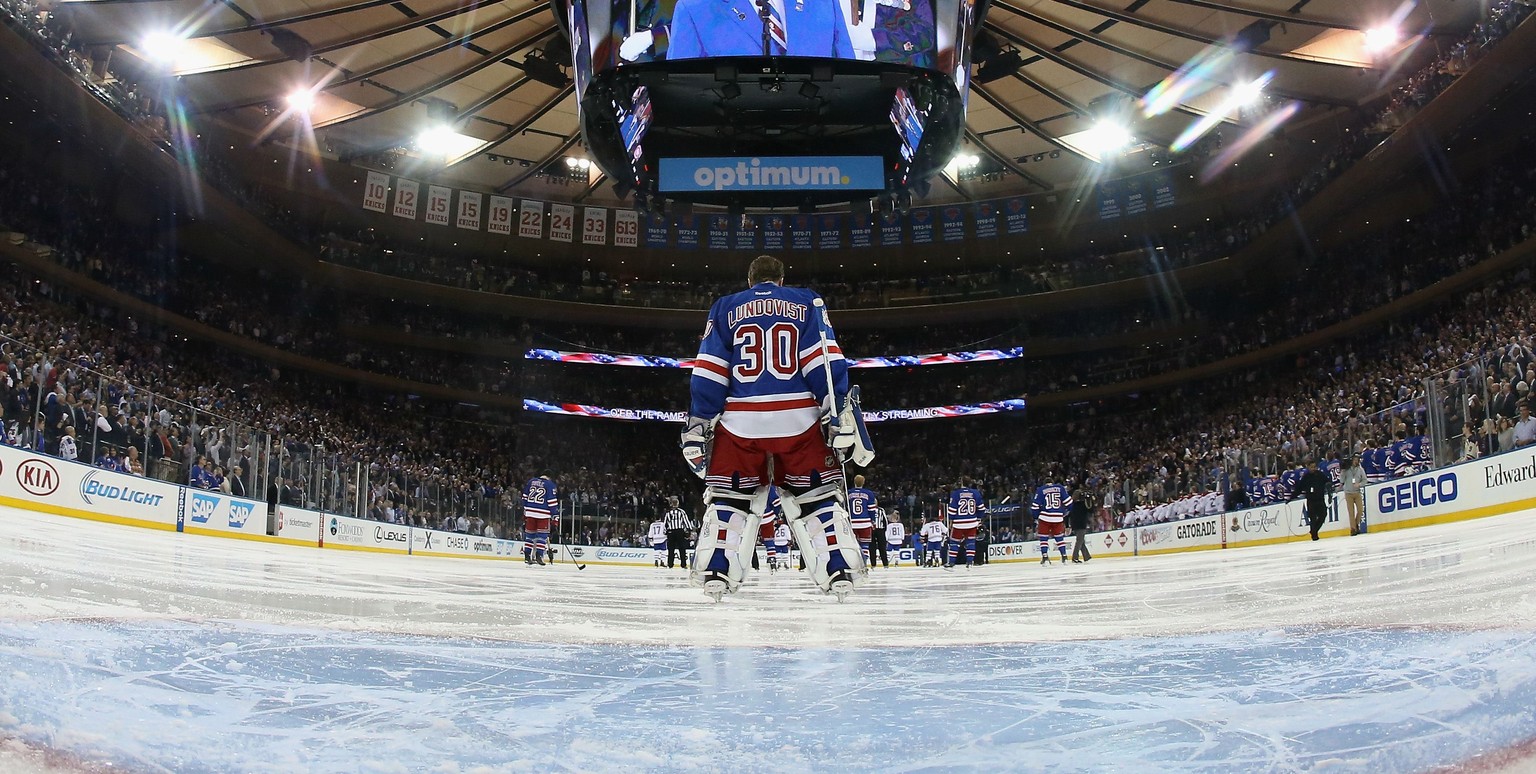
1314, 487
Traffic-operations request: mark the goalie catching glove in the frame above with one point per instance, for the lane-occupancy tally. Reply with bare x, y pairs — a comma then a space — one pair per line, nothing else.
846, 433
698, 436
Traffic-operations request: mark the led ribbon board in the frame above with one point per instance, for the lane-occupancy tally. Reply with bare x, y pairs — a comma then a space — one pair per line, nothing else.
870, 417
896, 361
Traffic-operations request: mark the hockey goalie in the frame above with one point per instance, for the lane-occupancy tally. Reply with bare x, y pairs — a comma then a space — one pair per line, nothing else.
771, 405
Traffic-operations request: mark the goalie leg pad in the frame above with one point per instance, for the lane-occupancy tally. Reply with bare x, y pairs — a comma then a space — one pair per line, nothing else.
821, 527
728, 536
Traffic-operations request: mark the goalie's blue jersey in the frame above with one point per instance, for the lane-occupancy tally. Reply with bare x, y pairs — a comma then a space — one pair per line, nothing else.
760, 368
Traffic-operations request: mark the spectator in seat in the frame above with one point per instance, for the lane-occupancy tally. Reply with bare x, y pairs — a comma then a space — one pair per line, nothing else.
236, 482
1525, 427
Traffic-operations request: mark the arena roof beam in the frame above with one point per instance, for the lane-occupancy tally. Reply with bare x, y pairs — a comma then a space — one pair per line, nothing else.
537, 166
1019, 118
1095, 39
257, 27
597, 181
1296, 18
396, 64
1007, 163
383, 32
1182, 33
521, 126
457, 75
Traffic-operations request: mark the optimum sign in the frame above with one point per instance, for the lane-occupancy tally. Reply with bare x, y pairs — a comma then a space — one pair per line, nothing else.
785, 173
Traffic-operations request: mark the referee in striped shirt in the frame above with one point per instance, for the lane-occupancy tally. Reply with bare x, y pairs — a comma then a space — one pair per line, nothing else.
679, 527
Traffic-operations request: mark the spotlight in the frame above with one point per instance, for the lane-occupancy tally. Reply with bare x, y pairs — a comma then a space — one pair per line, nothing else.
301, 100
436, 141
163, 47
1107, 137
570, 162
1249, 93
1039, 157
1379, 39
1056, 154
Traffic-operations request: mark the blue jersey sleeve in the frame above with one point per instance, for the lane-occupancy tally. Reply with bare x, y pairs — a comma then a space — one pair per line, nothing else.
712, 368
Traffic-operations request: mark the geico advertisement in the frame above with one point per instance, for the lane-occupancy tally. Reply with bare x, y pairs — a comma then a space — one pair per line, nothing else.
361, 533
1505, 480
299, 523
1179, 535
31, 477
223, 513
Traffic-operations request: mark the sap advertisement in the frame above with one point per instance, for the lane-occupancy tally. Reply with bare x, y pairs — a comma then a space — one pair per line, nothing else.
782, 173
219, 512
927, 34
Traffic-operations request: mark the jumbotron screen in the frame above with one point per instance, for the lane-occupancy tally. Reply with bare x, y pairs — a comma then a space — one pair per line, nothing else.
780, 83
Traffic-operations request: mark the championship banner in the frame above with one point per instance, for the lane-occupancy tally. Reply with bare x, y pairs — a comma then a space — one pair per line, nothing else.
498, 215
407, 193
922, 226
1162, 191
890, 229
626, 228
952, 224
1109, 202
656, 228
375, 192
1135, 198
469, 210
870, 417
438, 202
986, 220
562, 223
801, 236
719, 232
1016, 215
861, 230
746, 232
889, 361
687, 232
594, 226
773, 232
530, 219
829, 231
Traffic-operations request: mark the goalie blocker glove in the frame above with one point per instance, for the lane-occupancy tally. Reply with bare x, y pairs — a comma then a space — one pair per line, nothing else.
695, 442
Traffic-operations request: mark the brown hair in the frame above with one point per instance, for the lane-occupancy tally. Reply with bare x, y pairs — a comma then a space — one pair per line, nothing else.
765, 268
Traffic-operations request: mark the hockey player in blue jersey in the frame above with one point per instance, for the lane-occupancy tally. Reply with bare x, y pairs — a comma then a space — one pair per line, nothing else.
771, 405
541, 507
1051, 504
861, 513
964, 509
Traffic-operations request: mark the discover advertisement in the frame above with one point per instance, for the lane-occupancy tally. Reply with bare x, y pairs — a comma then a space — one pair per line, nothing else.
363, 535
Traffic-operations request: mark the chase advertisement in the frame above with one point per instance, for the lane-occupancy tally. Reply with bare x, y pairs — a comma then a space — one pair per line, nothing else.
926, 34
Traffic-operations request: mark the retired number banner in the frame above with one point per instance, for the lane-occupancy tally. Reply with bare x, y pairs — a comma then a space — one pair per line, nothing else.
407, 193
498, 218
594, 226
562, 222
438, 198
626, 228
469, 210
530, 219
375, 192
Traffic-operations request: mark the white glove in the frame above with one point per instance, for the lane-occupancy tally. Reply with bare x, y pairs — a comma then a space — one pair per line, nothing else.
635, 45
698, 433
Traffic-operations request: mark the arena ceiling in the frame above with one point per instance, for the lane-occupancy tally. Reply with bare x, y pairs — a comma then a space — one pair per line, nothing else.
383, 70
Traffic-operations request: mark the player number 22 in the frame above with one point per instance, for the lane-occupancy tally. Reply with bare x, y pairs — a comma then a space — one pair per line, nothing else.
776, 350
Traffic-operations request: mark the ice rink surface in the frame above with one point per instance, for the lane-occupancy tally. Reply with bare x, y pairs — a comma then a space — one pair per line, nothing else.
1399, 652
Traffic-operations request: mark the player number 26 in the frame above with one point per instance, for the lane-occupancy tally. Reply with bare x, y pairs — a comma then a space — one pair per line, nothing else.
776, 349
